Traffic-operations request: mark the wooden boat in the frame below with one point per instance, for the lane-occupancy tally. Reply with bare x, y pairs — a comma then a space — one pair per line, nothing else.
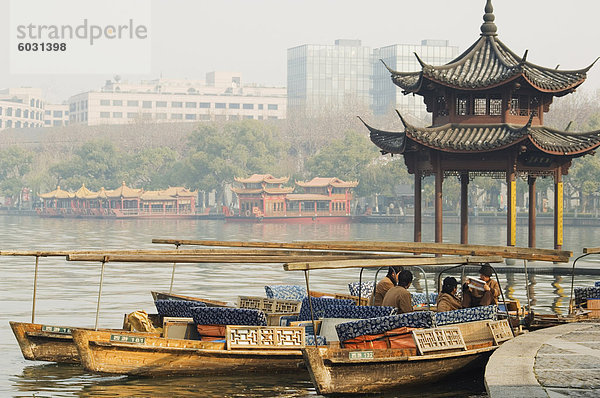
42, 342
132, 353
335, 370
45, 342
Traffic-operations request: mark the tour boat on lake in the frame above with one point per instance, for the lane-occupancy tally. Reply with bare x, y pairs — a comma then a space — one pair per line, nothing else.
263, 198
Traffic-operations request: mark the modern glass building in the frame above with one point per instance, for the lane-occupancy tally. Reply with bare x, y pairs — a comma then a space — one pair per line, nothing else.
326, 76
347, 74
401, 57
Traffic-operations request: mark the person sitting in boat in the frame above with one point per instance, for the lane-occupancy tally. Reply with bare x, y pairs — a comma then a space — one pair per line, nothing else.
447, 300
398, 296
481, 296
388, 282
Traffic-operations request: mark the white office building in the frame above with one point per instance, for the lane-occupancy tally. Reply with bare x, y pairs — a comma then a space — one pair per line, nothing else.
222, 96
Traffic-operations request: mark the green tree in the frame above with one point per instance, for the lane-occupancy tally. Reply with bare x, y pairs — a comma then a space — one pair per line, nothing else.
383, 176
152, 168
346, 158
95, 164
585, 178
219, 152
15, 162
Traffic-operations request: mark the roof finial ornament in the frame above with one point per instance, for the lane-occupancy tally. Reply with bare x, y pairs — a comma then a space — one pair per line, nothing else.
488, 28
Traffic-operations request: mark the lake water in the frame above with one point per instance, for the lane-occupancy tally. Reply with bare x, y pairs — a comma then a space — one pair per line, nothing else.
67, 293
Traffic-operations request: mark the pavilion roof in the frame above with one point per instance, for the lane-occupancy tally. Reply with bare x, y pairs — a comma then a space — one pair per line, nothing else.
57, 194
167, 194
258, 178
307, 196
485, 138
84, 193
488, 63
326, 181
125, 192
261, 190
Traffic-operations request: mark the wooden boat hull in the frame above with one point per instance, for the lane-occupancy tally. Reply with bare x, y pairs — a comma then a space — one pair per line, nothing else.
333, 372
154, 356
45, 343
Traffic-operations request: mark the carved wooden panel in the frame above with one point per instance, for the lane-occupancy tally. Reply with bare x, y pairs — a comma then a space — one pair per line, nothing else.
501, 331
265, 337
448, 338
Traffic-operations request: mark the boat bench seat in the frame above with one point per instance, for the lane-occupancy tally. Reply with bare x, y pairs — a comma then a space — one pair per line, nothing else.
488, 312
228, 316
356, 311
319, 305
309, 339
286, 292
417, 319
176, 308
421, 298
366, 288
597, 284
584, 293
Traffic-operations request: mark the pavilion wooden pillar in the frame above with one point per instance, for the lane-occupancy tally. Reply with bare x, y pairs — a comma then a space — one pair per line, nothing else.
417, 205
532, 210
464, 208
439, 179
511, 207
558, 209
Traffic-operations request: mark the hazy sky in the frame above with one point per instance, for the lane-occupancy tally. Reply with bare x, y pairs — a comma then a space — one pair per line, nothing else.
192, 37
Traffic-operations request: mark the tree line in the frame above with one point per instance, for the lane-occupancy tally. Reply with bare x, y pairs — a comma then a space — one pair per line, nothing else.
209, 156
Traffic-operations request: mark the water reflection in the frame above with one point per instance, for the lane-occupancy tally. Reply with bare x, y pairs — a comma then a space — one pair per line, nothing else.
560, 298
67, 294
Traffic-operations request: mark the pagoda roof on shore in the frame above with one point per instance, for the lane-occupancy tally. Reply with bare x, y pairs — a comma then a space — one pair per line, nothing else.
259, 178
325, 181
57, 194
485, 138
488, 63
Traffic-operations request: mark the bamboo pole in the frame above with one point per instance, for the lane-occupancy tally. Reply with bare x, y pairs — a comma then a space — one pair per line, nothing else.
35, 278
140, 258
191, 252
409, 261
524, 253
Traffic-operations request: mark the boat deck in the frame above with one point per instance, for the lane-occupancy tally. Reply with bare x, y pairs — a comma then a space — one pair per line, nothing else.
558, 361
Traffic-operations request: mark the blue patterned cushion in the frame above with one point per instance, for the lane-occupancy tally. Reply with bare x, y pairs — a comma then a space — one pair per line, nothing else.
421, 298
584, 293
357, 311
285, 320
597, 284
228, 316
365, 291
417, 319
286, 292
177, 308
309, 339
319, 304
467, 315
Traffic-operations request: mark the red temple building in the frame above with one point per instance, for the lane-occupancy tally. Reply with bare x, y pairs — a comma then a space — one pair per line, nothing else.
488, 110
123, 202
263, 197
